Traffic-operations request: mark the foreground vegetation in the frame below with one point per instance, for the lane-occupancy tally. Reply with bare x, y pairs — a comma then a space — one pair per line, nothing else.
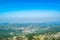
53, 36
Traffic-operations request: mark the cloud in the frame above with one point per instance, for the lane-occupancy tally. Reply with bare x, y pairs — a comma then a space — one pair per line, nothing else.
30, 16
31, 13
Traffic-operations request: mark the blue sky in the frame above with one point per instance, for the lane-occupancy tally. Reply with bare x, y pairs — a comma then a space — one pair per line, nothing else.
29, 10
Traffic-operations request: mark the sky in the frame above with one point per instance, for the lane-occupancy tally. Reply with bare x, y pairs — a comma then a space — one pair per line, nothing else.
29, 11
